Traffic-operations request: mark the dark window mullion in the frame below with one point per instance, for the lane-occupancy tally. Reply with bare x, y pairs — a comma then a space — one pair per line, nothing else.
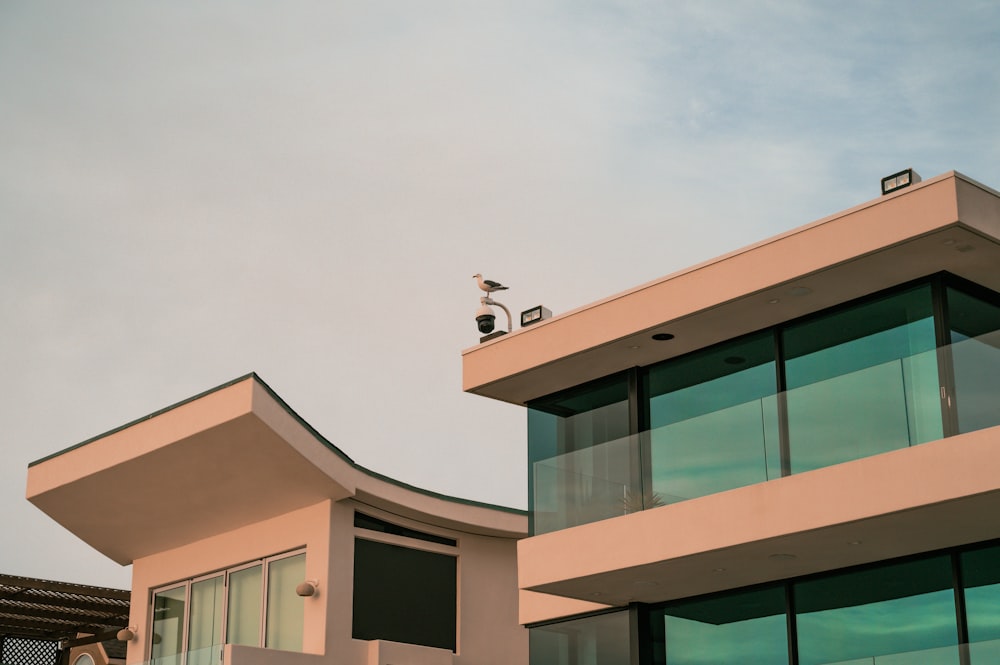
784, 445
946, 365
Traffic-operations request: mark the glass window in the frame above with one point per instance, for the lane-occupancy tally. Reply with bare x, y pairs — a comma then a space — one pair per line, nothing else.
583, 466
404, 595
862, 380
205, 622
189, 621
243, 617
285, 608
981, 577
596, 640
713, 420
892, 609
975, 352
167, 635
738, 628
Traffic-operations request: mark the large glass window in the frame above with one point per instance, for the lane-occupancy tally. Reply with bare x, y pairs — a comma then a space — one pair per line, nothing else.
981, 579
862, 380
975, 354
891, 609
169, 607
595, 640
892, 370
403, 594
713, 420
583, 463
191, 618
739, 627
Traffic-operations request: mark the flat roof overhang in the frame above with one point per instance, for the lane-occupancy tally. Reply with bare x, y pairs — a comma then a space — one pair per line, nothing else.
207, 466
925, 498
948, 223
232, 456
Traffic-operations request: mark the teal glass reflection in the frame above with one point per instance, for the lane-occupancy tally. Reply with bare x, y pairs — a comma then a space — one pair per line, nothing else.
862, 380
741, 628
981, 578
713, 420
583, 465
893, 609
975, 351
596, 640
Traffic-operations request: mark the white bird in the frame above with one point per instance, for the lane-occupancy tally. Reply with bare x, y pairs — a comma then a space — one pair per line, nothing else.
489, 285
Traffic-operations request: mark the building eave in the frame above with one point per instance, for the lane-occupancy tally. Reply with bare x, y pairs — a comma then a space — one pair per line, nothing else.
948, 223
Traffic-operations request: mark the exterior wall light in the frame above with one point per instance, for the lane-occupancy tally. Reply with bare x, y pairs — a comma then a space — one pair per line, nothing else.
126, 634
534, 315
307, 588
897, 181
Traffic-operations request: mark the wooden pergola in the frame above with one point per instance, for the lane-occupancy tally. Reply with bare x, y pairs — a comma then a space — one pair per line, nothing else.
68, 615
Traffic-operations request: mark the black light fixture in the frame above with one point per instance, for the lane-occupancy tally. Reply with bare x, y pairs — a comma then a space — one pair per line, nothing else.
534, 315
897, 181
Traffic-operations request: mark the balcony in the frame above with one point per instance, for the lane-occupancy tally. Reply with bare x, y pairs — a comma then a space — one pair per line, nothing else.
878, 409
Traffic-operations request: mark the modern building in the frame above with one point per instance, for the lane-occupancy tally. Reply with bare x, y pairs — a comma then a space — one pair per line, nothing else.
789, 454
254, 540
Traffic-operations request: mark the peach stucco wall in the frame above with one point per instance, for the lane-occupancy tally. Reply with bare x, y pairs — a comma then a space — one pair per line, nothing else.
488, 629
309, 527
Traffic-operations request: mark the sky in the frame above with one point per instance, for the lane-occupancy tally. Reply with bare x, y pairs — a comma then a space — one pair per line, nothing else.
191, 191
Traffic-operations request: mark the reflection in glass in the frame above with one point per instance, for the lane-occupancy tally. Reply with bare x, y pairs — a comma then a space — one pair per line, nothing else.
975, 337
745, 628
205, 623
891, 609
862, 380
243, 615
597, 640
285, 608
581, 462
981, 577
713, 419
168, 626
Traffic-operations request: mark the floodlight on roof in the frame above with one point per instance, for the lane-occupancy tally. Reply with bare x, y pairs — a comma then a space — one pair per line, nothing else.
534, 315
897, 181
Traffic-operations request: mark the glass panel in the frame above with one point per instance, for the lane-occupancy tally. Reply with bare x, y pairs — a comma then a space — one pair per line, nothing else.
975, 337
739, 628
580, 459
585, 486
205, 623
243, 616
713, 420
404, 595
891, 609
168, 626
981, 576
598, 640
862, 381
285, 608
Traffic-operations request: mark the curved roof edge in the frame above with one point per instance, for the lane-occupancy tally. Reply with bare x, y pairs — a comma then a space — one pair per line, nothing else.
301, 421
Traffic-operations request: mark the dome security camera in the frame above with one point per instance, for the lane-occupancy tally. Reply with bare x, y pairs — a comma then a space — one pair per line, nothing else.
485, 319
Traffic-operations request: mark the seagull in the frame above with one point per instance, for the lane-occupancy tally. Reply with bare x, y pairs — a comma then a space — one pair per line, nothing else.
489, 285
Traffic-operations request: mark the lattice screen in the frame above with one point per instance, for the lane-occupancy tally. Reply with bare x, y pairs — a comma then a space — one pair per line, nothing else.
25, 651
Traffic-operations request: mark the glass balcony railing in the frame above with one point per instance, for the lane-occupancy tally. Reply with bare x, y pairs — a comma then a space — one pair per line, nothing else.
973, 653
857, 414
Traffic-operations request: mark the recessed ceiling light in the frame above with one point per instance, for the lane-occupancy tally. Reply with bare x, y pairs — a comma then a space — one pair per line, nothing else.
799, 291
718, 570
854, 542
774, 301
782, 557
662, 337
634, 347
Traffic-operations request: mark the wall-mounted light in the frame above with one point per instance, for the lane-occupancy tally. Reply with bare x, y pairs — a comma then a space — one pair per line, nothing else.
534, 315
897, 181
126, 634
307, 588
